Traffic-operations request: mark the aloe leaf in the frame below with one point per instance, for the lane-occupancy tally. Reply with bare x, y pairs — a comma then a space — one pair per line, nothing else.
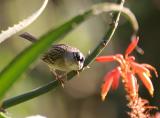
2, 115
22, 24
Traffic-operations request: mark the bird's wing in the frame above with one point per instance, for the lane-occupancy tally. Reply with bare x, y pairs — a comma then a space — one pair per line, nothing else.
54, 53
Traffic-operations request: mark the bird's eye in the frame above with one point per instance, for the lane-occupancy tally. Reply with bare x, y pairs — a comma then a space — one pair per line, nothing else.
79, 57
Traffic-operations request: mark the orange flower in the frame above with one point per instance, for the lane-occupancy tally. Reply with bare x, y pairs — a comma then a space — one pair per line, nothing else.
128, 69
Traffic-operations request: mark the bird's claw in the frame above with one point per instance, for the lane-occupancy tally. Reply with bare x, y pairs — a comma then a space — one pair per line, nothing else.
61, 80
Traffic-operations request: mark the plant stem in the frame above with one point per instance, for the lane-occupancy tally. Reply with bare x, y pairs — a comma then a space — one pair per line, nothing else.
90, 58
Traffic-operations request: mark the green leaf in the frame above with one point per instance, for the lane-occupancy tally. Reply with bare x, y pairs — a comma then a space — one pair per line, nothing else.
18, 65
2, 115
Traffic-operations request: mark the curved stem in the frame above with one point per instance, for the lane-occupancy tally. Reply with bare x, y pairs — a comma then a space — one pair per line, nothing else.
90, 58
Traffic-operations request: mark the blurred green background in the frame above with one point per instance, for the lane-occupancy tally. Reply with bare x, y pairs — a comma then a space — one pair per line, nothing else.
81, 96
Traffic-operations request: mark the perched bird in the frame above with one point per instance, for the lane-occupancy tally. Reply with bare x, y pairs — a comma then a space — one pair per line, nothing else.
60, 57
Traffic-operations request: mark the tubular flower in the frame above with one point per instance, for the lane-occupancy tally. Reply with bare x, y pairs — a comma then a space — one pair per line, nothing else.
128, 69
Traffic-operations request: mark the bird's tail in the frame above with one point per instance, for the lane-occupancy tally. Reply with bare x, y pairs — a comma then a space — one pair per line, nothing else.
28, 36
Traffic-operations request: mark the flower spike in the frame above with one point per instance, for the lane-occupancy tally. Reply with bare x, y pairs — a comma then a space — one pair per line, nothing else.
132, 46
151, 68
132, 84
110, 79
130, 71
147, 82
105, 58
106, 86
127, 69
138, 68
116, 77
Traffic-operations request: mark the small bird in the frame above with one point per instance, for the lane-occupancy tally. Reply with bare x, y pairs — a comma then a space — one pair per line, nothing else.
60, 57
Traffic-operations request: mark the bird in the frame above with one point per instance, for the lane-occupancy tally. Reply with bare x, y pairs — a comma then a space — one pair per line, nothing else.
61, 57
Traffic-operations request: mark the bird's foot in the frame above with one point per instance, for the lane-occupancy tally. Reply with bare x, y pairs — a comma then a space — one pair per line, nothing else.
61, 80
